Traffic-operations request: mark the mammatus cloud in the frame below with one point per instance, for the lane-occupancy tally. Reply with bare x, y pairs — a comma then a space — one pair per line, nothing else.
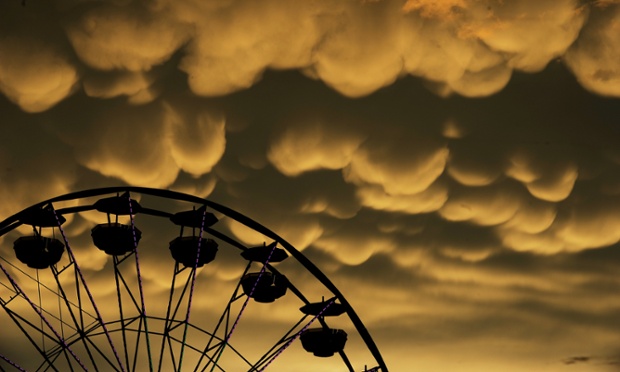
467, 47
197, 142
401, 164
545, 178
37, 70
234, 42
303, 148
485, 206
150, 144
429, 200
126, 37
37, 86
474, 46
530, 194
137, 86
594, 57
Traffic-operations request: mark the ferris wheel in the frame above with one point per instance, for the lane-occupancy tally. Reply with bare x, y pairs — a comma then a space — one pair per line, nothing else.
141, 279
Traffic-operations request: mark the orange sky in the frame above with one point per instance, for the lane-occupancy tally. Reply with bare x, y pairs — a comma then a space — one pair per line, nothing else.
453, 167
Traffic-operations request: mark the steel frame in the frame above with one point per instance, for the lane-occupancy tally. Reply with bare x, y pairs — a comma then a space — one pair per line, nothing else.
83, 330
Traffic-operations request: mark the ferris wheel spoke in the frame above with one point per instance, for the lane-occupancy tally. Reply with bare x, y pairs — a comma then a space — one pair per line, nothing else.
143, 317
173, 307
120, 307
141, 324
193, 283
346, 360
167, 321
278, 345
12, 363
50, 354
58, 337
225, 315
126, 320
100, 352
62, 295
16, 319
55, 357
217, 347
82, 280
243, 307
298, 334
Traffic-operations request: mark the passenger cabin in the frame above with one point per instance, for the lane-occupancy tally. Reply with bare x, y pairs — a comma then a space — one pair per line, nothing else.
118, 205
322, 308
323, 342
196, 218
184, 250
265, 253
268, 288
38, 252
115, 239
41, 217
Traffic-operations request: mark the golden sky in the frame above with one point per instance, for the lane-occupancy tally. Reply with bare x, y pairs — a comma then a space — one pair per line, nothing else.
453, 166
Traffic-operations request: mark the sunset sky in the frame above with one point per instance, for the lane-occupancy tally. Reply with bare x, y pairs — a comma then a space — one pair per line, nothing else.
453, 166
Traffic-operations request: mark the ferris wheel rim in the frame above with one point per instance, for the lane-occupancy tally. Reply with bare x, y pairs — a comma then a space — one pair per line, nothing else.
12, 222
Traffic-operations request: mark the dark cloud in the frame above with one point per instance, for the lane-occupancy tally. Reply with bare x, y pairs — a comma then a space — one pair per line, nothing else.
611, 363
577, 359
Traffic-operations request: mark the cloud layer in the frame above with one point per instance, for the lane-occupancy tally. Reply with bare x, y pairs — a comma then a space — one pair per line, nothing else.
467, 47
480, 225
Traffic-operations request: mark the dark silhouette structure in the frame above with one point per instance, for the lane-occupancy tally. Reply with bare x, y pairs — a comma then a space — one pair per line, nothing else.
80, 334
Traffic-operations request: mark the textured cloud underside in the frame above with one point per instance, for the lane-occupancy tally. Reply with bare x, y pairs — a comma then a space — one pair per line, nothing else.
482, 228
468, 47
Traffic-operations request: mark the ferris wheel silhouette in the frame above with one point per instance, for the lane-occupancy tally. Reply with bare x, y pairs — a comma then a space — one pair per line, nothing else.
117, 300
